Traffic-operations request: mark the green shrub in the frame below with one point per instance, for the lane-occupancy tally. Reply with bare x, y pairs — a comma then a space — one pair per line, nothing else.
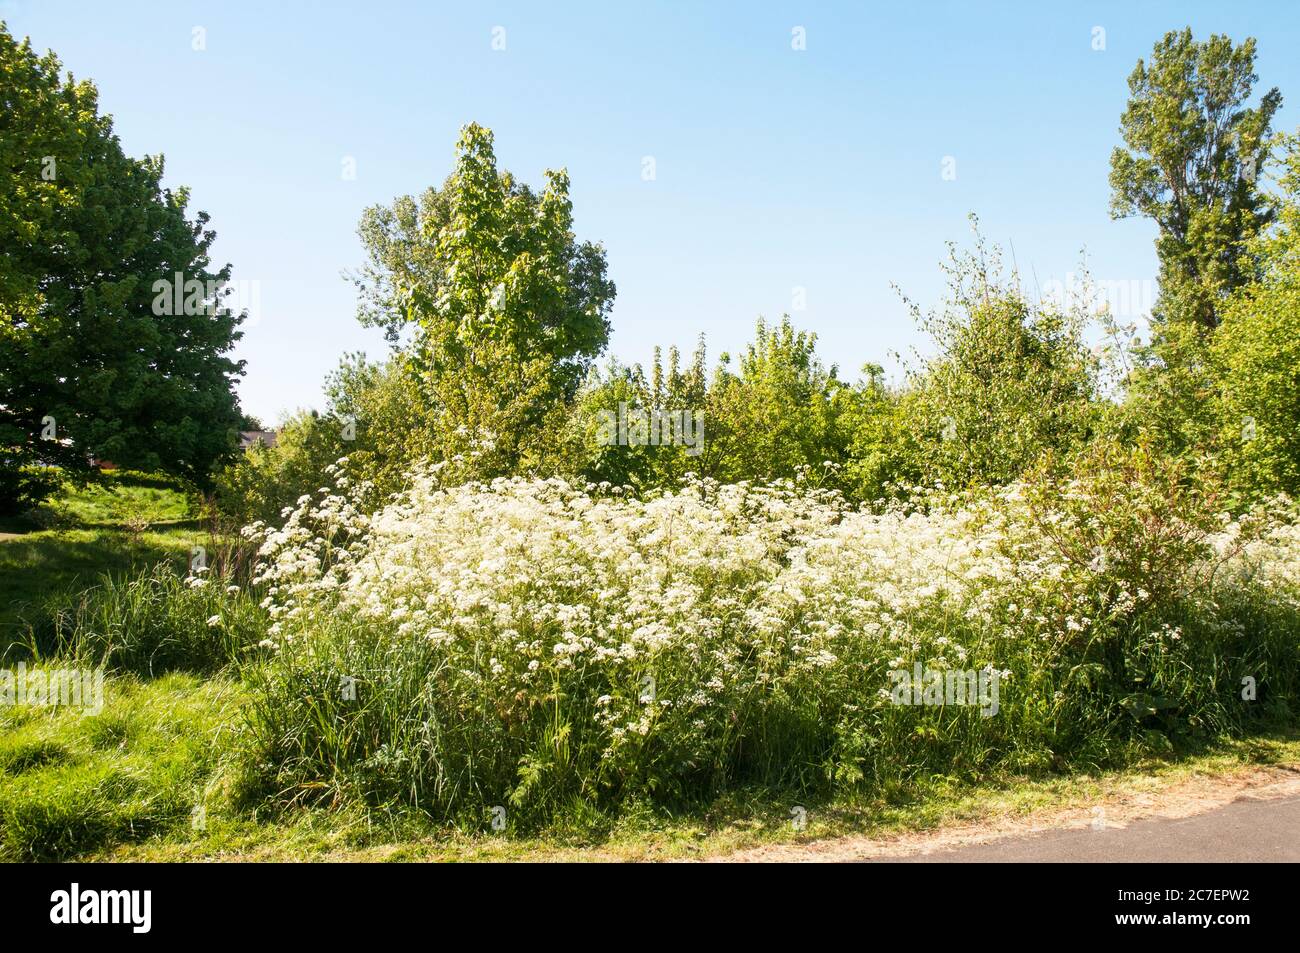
267, 480
1011, 381
1256, 352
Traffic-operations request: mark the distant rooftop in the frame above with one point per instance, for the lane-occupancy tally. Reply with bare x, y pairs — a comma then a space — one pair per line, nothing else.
248, 438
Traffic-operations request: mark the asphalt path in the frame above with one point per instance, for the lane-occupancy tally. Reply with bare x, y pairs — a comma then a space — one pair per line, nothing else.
1245, 831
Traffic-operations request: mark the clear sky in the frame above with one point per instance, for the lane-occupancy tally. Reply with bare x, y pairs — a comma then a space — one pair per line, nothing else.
775, 168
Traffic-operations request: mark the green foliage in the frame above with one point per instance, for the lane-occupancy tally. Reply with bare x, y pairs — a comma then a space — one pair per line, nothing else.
1173, 391
376, 419
782, 415
778, 417
1256, 355
1135, 531
608, 401
884, 457
1011, 381
392, 423
151, 622
87, 232
1194, 152
266, 480
505, 307
23, 488
1157, 603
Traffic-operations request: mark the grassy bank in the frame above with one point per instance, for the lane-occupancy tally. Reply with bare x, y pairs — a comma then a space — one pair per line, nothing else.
151, 779
130, 522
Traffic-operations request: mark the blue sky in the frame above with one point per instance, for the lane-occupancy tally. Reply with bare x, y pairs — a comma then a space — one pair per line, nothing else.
775, 169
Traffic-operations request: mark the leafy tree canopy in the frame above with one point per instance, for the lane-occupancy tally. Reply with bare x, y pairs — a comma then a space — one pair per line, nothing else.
1193, 152
1257, 354
103, 352
505, 308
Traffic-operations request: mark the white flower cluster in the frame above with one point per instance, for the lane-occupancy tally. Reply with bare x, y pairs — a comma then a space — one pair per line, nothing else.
706, 593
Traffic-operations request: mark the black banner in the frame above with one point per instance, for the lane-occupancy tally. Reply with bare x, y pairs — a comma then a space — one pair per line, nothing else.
328, 903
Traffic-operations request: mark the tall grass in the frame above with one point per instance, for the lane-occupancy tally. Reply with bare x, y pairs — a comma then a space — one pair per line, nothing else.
153, 622
353, 712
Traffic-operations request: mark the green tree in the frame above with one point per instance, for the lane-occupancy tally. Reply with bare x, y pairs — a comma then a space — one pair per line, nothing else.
372, 422
95, 360
618, 405
1011, 380
505, 309
776, 418
1192, 156
884, 456
1257, 354
380, 407
1194, 150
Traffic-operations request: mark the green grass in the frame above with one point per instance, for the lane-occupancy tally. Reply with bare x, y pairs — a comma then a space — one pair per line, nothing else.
738, 822
122, 496
72, 782
89, 532
157, 621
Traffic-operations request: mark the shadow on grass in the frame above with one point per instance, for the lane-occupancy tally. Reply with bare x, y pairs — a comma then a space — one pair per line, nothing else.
41, 565
119, 522
18, 525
